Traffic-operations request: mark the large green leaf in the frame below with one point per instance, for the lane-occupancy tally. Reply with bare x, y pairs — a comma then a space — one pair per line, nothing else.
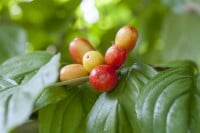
50, 96
183, 5
56, 92
68, 115
16, 103
178, 40
12, 41
22, 65
114, 112
195, 107
166, 102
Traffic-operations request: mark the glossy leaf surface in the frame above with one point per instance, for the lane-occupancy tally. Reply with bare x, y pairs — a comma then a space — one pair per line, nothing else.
16, 103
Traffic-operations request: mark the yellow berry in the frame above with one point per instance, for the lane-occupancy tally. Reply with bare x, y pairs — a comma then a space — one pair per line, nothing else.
72, 71
92, 59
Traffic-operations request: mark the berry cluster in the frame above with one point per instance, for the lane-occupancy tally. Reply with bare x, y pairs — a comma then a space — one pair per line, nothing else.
102, 71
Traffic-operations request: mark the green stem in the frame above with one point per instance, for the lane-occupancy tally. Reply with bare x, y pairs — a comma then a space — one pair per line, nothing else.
69, 82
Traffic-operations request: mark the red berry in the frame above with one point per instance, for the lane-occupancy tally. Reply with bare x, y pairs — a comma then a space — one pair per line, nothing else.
78, 47
115, 56
103, 78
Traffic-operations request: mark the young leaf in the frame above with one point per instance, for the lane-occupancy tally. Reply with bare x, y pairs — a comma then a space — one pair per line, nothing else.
114, 112
16, 104
164, 104
21, 65
68, 115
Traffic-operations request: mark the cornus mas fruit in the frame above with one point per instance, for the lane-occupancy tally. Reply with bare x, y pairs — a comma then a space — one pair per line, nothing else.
92, 59
126, 37
115, 56
78, 47
72, 71
103, 78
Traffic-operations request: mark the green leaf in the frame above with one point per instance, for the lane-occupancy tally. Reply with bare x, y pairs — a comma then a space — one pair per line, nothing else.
68, 115
16, 103
183, 5
6, 82
180, 63
26, 77
181, 40
21, 65
56, 92
12, 41
50, 96
114, 112
195, 107
164, 104
178, 40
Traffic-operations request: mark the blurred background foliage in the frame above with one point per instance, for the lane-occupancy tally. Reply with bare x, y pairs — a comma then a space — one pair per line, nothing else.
168, 29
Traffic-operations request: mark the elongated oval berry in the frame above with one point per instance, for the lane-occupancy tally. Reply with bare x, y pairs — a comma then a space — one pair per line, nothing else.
91, 59
126, 37
72, 71
115, 56
78, 47
103, 78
